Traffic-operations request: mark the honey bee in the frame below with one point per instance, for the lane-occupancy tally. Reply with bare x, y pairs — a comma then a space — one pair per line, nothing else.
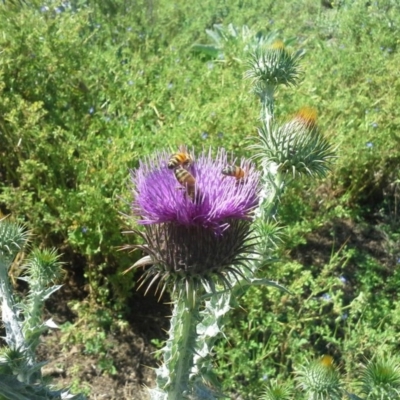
182, 158
186, 179
234, 170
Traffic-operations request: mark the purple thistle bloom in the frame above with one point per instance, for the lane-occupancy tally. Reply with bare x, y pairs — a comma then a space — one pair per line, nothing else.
194, 236
160, 198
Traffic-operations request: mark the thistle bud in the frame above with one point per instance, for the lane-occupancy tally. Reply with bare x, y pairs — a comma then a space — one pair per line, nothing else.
274, 66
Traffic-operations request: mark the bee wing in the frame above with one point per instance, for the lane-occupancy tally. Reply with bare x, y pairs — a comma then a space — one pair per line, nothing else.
191, 180
183, 148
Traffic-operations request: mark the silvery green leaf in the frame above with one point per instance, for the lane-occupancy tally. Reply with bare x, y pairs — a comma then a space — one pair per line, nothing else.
69, 396
232, 31
157, 394
9, 392
146, 260
49, 291
214, 35
51, 324
12, 389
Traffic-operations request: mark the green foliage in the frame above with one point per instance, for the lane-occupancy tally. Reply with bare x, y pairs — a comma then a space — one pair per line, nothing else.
90, 332
355, 65
61, 132
87, 91
349, 304
330, 308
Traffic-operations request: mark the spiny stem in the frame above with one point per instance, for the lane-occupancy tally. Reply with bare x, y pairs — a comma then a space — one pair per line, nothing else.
13, 325
14, 336
180, 348
267, 105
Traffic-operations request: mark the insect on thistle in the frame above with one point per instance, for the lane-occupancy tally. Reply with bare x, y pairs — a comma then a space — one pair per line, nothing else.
187, 180
234, 171
180, 159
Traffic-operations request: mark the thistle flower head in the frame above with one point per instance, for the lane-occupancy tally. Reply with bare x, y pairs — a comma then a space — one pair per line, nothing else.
306, 116
12, 360
320, 379
13, 237
277, 391
273, 66
43, 267
278, 45
296, 147
193, 235
381, 378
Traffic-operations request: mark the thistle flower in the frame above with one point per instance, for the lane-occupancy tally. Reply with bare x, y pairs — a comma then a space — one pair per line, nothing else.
297, 146
273, 66
380, 379
13, 237
320, 379
306, 117
193, 238
277, 391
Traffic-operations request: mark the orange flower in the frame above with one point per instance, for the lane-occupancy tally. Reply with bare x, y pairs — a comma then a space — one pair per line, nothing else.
307, 116
327, 361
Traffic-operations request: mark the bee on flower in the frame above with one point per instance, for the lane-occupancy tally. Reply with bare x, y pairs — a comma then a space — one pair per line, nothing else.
186, 240
181, 158
234, 171
187, 181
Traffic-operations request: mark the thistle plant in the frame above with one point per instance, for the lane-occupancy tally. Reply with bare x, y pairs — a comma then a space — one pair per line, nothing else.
192, 243
277, 391
379, 379
290, 150
269, 68
204, 233
20, 373
320, 379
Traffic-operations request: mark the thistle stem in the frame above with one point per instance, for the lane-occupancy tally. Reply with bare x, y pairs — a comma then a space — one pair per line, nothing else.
180, 347
15, 338
278, 189
267, 104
